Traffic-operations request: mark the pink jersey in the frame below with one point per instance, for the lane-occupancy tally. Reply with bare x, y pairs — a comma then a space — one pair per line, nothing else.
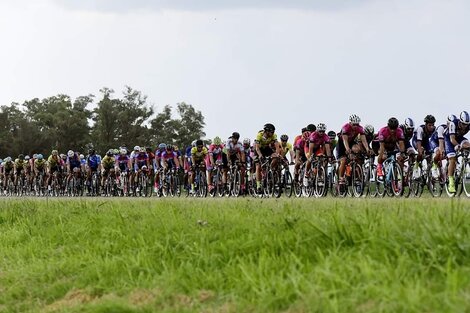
351, 131
215, 149
390, 139
301, 145
319, 139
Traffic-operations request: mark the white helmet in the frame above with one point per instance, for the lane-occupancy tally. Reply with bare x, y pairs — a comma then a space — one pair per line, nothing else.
464, 117
123, 151
353, 118
409, 123
82, 156
246, 141
451, 118
142, 149
136, 148
321, 127
70, 153
7, 159
193, 144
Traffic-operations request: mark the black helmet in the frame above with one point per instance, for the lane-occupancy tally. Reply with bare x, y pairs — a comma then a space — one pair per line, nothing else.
235, 135
311, 127
430, 119
284, 137
392, 123
269, 127
91, 151
332, 134
21, 156
303, 130
199, 142
109, 153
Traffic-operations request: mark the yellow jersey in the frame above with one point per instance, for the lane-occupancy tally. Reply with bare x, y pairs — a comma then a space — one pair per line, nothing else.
263, 141
199, 155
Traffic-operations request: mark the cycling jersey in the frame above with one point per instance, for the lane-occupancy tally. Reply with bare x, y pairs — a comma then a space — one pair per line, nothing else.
459, 133
265, 141
40, 164
216, 149
319, 139
108, 162
74, 162
351, 131
20, 163
232, 149
54, 161
435, 137
390, 138
286, 148
169, 155
199, 155
8, 165
122, 162
93, 161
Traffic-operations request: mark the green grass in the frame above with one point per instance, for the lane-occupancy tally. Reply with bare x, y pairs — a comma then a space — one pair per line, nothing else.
247, 255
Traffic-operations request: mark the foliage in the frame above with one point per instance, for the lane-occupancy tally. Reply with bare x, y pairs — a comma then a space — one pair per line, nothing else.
59, 122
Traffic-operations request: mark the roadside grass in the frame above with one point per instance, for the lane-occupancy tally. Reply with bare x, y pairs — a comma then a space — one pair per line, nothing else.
226, 255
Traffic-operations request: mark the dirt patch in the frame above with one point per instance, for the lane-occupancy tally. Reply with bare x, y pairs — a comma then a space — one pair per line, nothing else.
206, 295
366, 306
72, 298
143, 297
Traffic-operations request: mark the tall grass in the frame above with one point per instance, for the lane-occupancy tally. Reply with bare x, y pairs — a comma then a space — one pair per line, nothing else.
248, 255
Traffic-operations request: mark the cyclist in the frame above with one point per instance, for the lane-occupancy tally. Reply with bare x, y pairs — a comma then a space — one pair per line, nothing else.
437, 144
455, 140
216, 153
420, 141
122, 164
158, 157
266, 145
319, 144
39, 167
107, 166
235, 152
389, 137
198, 155
286, 147
141, 165
93, 165
74, 165
333, 141
169, 158
18, 169
8, 165
28, 171
347, 143
53, 167
301, 151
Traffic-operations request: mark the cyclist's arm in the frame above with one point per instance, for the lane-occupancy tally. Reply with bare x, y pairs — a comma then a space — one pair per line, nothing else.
258, 150
346, 143
277, 146
311, 146
365, 143
328, 149
453, 140
401, 146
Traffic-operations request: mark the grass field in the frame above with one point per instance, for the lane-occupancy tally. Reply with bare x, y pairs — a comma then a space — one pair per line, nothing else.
225, 255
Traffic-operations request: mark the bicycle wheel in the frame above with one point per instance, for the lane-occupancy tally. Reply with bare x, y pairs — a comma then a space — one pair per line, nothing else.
466, 179
297, 183
276, 183
320, 182
287, 183
434, 184
357, 184
235, 185
397, 180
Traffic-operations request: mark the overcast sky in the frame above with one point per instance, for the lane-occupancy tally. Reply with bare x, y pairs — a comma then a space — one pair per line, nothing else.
244, 64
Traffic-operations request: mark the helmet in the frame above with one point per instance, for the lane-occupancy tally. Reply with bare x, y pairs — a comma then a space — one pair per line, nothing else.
193, 144
82, 156
464, 117
63, 156
70, 153
142, 149
354, 119
392, 123
169, 147
199, 142
269, 127
26, 157
284, 137
123, 151
136, 148
235, 135
311, 127
321, 127
91, 151
246, 141
40, 156
55, 152
409, 123
1, 161
162, 146
369, 129
303, 130
332, 134
429, 119
451, 118
110, 152
115, 151
217, 140
8, 159
21, 156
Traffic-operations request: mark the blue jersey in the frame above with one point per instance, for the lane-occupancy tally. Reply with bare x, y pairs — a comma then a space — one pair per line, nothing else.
93, 161
74, 161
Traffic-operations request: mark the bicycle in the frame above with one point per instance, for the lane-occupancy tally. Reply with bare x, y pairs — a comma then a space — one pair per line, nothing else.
234, 176
392, 181
461, 174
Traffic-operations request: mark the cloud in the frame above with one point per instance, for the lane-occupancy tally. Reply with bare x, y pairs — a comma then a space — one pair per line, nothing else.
206, 5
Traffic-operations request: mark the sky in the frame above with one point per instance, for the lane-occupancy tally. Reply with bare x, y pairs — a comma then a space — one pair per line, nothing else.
244, 64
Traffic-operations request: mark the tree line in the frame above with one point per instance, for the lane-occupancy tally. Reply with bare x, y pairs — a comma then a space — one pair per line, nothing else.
62, 123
